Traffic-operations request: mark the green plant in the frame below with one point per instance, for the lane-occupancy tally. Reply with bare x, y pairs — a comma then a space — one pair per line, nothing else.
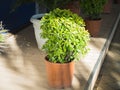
49, 4
66, 36
2, 30
92, 8
2, 38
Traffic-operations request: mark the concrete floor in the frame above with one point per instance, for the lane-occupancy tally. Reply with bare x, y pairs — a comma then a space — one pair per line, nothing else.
22, 65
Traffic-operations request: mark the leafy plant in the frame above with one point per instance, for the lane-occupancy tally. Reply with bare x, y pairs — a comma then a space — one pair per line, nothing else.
66, 36
2, 30
49, 4
2, 38
92, 8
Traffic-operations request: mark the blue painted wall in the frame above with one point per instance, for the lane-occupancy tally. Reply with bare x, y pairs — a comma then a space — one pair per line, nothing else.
18, 18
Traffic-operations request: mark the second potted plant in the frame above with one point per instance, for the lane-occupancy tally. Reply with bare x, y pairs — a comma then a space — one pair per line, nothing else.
92, 10
66, 41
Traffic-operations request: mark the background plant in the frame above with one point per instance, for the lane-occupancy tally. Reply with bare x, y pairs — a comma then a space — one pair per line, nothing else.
2, 30
92, 8
2, 37
66, 36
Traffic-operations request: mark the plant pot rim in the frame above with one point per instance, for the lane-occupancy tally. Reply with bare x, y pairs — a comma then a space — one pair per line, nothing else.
36, 17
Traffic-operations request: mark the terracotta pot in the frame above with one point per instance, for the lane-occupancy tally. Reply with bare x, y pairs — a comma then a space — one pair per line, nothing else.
107, 7
74, 7
59, 75
93, 27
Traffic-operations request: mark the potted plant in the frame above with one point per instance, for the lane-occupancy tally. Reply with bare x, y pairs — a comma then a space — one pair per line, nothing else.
2, 38
92, 10
66, 41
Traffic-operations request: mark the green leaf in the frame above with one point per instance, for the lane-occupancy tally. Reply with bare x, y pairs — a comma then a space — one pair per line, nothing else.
66, 36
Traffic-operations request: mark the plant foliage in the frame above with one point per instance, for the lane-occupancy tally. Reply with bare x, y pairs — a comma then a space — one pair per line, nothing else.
2, 30
2, 38
92, 8
66, 36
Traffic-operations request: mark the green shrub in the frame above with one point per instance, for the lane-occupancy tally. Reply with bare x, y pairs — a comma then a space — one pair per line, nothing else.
2, 30
92, 8
2, 38
66, 36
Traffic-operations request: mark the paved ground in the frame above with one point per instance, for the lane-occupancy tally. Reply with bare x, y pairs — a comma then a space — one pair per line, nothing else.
109, 77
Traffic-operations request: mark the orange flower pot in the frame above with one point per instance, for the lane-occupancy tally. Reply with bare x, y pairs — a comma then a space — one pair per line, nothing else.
59, 75
73, 6
93, 27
